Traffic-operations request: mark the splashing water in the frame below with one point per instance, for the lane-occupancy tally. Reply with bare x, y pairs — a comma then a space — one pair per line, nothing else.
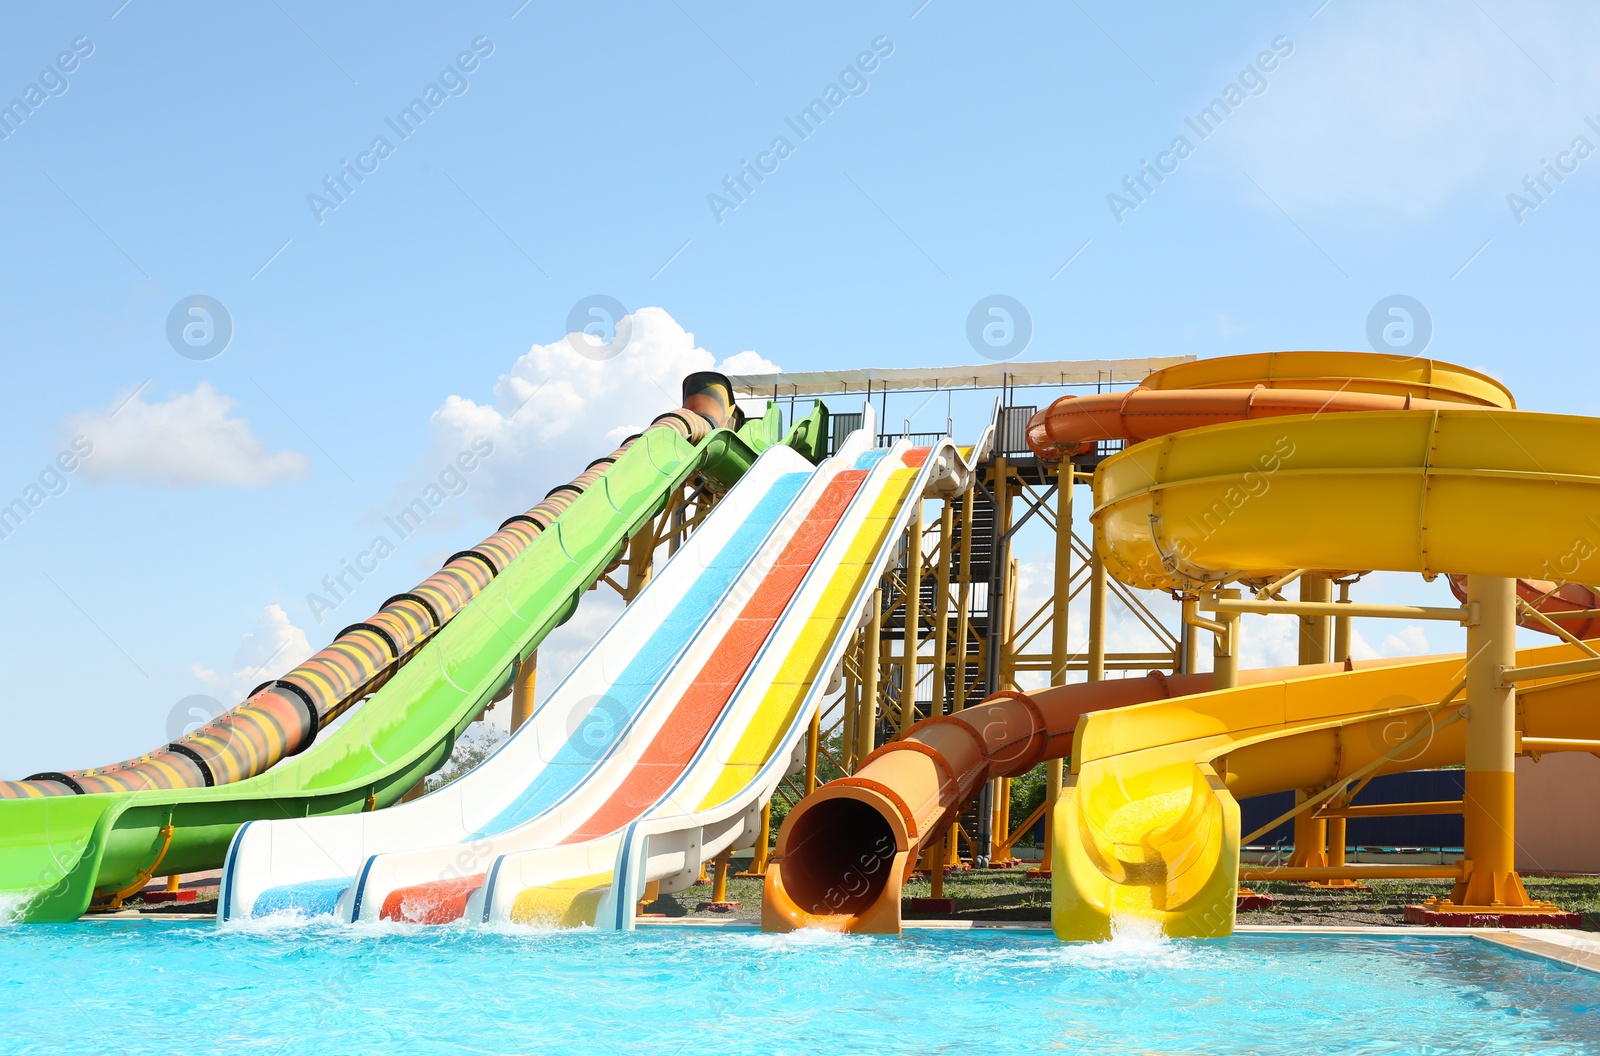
153, 987
11, 906
1138, 904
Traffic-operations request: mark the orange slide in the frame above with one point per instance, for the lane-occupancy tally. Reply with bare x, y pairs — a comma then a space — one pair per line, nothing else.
844, 851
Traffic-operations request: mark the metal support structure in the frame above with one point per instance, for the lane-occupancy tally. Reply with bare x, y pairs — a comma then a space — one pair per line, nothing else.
1311, 846
1059, 626
941, 611
1490, 877
1097, 613
1225, 648
950, 613
813, 742
1341, 625
867, 716
522, 697
963, 601
912, 640
1225, 604
761, 851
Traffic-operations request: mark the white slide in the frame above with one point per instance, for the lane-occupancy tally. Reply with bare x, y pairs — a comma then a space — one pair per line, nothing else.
716, 801
572, 752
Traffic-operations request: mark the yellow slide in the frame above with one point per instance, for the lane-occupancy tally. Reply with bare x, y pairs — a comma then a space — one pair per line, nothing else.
1147, 824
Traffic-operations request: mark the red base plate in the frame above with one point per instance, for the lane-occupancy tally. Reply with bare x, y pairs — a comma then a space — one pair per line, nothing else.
183, 894
1251, 902
717, 907
1467, 918
933, 905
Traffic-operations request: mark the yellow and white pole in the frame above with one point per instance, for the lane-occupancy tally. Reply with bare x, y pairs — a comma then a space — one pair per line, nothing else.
912, 639
813, 737
522, 690
1341, 627
941, 614
1489, 805
867, 720
1097, 613
1225, 657
1310, 833
963, 600
1060, 604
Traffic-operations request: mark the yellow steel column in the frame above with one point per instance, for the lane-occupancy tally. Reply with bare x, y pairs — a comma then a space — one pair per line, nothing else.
1191, 649
1310, 833
1490, 800
522, 690
813, 735
1314, 629
1336, 842
1063, 577
719, 879
1059, 626
1341, 627
641, 561
758, 859
1008, 630
941, 615
1002, 577
867, 717
848, 737
911, 642
1225, 658
1001, 850
1097, 614
963, 600
963, 609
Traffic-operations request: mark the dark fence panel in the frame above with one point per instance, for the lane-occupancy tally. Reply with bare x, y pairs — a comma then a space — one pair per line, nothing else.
1421, 786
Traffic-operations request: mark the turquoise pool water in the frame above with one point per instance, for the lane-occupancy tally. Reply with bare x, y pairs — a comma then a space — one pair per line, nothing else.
155, 987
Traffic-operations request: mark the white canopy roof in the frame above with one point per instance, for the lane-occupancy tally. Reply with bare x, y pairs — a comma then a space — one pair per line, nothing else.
984, 376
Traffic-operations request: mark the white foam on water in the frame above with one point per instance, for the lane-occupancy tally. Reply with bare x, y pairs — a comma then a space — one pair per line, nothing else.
274, 923
813, 937
1136, 927
12, 904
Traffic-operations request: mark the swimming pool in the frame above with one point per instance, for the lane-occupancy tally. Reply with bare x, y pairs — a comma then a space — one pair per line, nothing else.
141, 986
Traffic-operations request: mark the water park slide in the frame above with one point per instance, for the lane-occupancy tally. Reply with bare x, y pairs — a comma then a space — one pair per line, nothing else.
587, 726
1485, 492
283, 716
423, 861
1148, 822
714, 799
843, 851
57, 851
1210, 392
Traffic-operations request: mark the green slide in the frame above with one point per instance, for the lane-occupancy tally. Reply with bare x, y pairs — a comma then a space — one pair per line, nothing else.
58, 853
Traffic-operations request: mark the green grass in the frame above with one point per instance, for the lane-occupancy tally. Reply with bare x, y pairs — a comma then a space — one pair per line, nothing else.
1011, 895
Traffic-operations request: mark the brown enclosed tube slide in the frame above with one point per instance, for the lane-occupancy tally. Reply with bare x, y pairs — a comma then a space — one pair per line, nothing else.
1072, 425
844, 850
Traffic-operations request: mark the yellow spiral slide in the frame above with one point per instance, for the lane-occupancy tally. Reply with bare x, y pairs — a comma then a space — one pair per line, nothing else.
1147, 826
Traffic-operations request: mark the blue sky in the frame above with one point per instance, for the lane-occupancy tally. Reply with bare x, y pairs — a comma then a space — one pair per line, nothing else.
574, 150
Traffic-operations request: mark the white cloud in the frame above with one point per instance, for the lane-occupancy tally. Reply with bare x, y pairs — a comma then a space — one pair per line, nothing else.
1401, 108
185, 441
556, 410
274, 646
